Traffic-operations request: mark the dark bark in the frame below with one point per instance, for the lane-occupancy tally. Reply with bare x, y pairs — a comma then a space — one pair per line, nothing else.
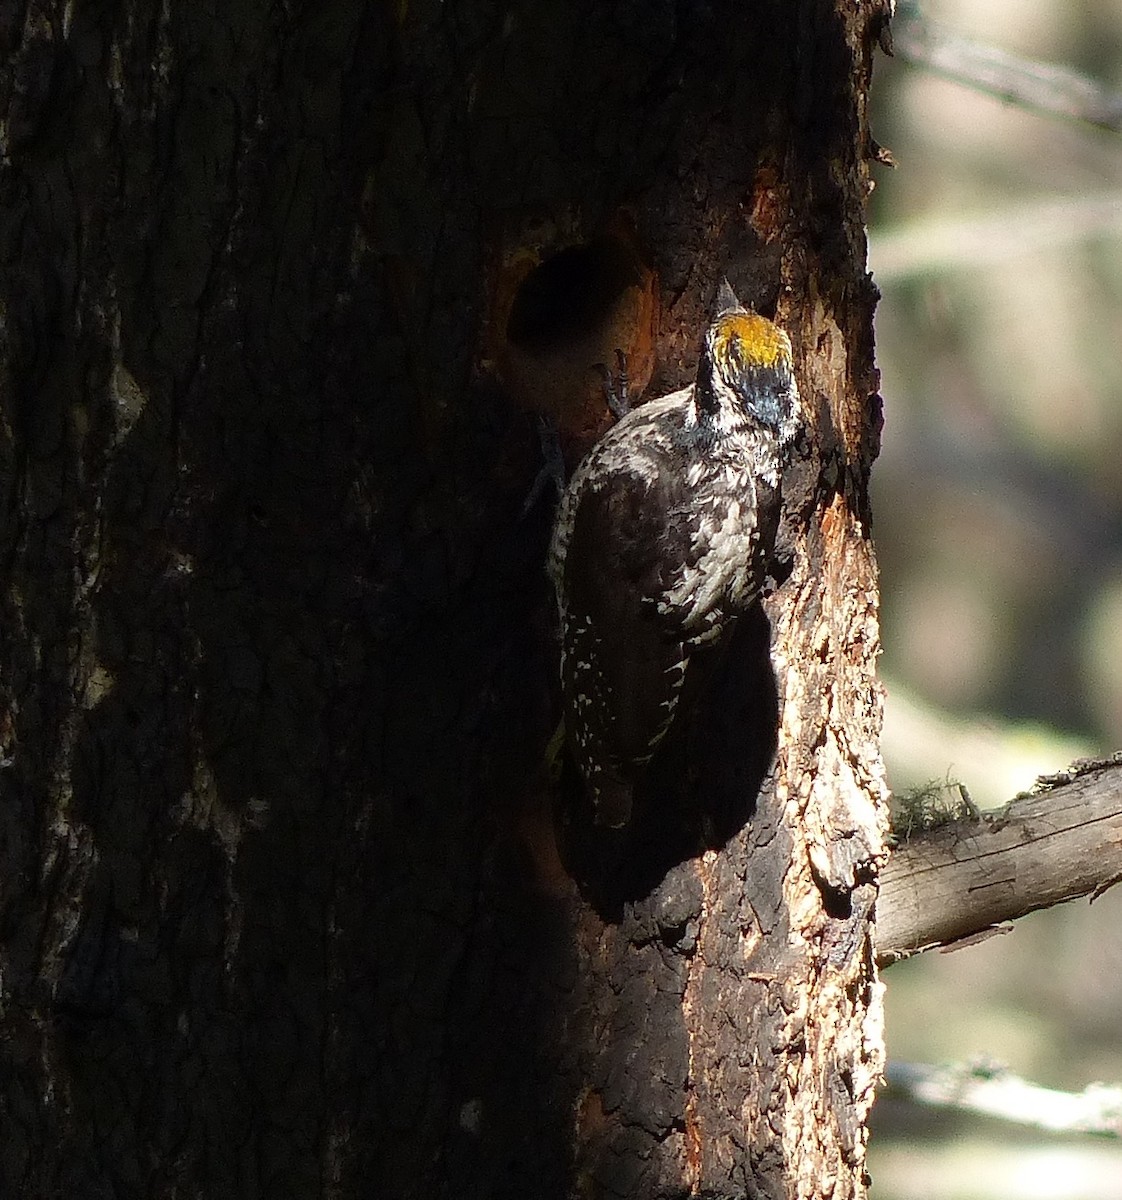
283, 909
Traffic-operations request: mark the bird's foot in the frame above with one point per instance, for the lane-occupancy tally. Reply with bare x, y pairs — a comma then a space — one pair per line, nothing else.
617, 387
553, 465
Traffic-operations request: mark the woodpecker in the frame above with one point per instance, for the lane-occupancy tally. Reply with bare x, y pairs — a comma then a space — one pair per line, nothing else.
661, 540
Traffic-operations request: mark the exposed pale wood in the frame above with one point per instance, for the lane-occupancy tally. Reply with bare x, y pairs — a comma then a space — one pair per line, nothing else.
965, 877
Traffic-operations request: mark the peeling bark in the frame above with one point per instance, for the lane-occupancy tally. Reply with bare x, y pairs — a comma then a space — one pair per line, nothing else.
284, 903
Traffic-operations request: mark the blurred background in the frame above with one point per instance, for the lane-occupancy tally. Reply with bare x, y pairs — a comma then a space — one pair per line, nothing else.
997, 245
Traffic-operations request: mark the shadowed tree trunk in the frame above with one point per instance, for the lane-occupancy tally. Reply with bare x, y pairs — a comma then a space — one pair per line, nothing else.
291, 906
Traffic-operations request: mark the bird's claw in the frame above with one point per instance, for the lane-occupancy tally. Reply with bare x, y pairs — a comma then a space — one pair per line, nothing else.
617, 387
552, 468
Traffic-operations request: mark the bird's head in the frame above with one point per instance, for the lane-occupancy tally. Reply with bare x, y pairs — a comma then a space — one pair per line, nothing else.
745, 375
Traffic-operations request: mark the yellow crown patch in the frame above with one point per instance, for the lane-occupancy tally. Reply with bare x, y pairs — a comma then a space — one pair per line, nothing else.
754, 338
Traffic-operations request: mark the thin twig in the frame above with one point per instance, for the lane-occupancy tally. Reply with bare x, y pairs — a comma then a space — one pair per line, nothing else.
1047, 88
993, 1091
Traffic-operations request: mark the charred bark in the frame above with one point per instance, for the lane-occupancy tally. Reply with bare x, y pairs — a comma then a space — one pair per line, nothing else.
284, 911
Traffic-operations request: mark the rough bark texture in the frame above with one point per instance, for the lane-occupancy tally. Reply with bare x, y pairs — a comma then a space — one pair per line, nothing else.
283, 912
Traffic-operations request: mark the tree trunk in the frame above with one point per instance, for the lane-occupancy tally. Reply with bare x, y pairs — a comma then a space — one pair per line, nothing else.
284, 908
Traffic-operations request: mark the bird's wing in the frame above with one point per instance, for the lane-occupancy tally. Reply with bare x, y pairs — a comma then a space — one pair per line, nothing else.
624, 660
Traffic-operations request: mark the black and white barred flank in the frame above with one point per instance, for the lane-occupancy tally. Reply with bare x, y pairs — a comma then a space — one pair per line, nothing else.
660, 542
